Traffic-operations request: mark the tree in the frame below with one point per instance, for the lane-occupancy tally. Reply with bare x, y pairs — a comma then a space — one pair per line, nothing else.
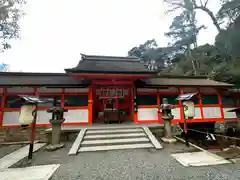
10, 13
208, 57
152, 55
220, 61
183, 30
229, 11
228, 40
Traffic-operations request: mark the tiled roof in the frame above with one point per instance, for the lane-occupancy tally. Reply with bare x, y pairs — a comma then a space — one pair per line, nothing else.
184, 81
50, 79
62, 79
110, 64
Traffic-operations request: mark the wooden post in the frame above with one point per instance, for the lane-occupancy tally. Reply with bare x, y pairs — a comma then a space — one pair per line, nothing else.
33, 133
185, 127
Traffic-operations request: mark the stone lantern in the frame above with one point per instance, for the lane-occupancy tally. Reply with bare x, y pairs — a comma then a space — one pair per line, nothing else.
56, 121
167, 117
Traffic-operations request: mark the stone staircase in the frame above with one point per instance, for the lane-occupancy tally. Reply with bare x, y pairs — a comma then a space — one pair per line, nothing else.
2, 136
114, 138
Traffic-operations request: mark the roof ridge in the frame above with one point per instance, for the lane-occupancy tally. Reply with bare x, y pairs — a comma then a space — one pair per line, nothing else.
32, 74
110, 58
181, 76
130, 57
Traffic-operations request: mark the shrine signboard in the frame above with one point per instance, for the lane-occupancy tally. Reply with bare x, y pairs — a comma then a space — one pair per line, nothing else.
111, 92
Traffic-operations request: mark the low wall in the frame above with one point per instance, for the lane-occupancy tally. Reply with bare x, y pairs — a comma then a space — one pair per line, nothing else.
20, 134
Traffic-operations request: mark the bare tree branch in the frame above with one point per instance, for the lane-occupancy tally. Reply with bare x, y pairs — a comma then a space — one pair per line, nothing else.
210, 13
205, 4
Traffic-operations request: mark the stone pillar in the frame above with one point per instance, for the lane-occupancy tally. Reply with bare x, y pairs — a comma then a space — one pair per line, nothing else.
56, 135
167, 129
168, 132
167, 117
56, 121
56, 131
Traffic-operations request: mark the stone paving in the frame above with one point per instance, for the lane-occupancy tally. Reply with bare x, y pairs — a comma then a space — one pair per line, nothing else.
137, 164
29, 173
7, 149
10, 159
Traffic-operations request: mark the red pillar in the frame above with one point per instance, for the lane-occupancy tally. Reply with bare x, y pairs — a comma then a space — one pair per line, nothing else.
200, 103
90, 104
2, 106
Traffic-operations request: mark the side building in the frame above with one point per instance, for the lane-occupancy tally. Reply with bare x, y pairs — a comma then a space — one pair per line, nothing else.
85, 89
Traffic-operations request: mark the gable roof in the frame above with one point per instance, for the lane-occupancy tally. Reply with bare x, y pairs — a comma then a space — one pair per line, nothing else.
183, 81
39, 79
110, 64
66, 80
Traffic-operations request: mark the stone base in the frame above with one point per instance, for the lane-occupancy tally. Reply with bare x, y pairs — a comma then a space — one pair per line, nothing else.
54, 147
169, 140
20, 134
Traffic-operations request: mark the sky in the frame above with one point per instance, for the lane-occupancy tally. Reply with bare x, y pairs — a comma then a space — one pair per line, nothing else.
55, 32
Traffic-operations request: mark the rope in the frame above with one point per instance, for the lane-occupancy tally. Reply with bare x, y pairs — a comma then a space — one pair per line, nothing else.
229, 137
207, 133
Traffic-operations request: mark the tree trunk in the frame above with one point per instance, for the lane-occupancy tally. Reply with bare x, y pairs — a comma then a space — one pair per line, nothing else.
189, 56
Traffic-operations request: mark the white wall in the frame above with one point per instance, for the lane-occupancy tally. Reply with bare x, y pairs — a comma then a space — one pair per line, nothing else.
77, 115
150, 114
176, 113
10, 118
211, 112
43, 117
145, 114
229, 115
74, 115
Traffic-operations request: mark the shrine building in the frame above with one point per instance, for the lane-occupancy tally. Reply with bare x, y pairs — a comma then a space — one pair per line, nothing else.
123, 84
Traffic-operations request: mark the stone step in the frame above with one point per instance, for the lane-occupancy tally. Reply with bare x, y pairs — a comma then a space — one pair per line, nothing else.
113, 136
114, 141
115, 147
113, 127
136, 130
77, 142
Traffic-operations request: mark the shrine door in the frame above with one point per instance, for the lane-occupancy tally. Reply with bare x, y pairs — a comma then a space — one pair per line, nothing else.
121, 98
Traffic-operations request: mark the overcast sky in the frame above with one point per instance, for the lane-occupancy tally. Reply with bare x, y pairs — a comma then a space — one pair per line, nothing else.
55, 32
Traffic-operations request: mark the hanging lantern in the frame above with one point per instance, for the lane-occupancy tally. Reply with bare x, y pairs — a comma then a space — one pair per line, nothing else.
26, 115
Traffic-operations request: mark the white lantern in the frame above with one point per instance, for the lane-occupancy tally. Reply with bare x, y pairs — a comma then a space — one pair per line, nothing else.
189, 109
26, 115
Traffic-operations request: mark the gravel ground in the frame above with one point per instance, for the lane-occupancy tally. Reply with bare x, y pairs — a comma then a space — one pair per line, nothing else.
7, 149
230, 153
138, 164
